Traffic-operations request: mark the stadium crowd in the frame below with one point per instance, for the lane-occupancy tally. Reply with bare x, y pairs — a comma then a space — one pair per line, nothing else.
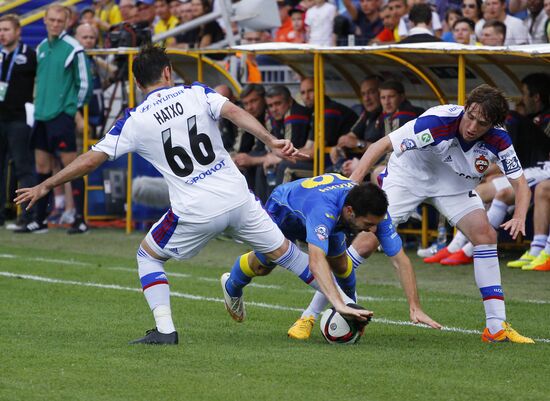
58, 98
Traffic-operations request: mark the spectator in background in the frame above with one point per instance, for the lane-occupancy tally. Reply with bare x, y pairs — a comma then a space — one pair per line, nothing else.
536, 98
298, 32
128, 11
493, 33
338, 121
73, 21
365, 130
516, 33
420, 16
174, 6
366, 18
547, 25
207, 33
472, 9
62, 87
146, 12
405, 24
286, 23
535, 21
247, 153
464, 31
389, 20
101, 72
451, 17
396, 111
166, 21
185, 11
107, 15
227, 129
320, 22
287, 120
399, 9
17, 73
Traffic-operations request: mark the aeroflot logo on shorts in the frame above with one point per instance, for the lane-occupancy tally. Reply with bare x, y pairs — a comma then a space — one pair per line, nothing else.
203, 175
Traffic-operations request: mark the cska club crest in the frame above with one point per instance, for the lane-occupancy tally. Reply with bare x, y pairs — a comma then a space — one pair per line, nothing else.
481, 164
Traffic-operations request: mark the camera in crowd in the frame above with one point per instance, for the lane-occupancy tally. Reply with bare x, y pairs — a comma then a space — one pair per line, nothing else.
128, 35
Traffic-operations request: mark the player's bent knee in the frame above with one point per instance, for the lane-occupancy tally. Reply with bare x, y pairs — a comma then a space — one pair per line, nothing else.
506, 195
277, 253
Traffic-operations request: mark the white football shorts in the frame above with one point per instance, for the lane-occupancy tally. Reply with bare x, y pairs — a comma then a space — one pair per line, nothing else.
533, 175
171, 237
402, 203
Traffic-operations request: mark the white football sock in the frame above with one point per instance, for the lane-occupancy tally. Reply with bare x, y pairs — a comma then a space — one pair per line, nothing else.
356, 259
468, 249
316, 306
538, 244
547, 248
487, 276
497, 213
156, 290
458, 241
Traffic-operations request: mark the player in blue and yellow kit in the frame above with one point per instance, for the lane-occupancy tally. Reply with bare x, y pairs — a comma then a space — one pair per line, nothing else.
321, 211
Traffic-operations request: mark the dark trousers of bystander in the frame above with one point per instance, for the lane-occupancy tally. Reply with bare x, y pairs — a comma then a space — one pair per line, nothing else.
15, 144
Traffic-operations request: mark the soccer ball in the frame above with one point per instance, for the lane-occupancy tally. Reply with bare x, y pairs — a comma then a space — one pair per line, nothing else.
338, 330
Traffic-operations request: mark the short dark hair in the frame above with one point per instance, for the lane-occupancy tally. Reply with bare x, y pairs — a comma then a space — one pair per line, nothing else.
498, 26
492, 103
374, 77
367, 198
538, 83
452, 11
393, 85
465, 20
248, 89
149, 63
279, 90
420, 13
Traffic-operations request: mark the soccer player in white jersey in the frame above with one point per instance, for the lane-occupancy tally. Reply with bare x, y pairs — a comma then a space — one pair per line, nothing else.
176, 130
439, 158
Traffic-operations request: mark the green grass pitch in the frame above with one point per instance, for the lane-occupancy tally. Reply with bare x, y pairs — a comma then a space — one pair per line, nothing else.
69, 305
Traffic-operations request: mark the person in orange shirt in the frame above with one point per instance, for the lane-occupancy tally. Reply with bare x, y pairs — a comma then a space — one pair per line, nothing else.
286, 22
298, 32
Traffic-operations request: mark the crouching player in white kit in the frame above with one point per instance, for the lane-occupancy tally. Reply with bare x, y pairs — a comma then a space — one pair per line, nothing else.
439, 158
176, 130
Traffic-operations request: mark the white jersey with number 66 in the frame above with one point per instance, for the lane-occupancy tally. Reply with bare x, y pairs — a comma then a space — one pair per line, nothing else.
176, 130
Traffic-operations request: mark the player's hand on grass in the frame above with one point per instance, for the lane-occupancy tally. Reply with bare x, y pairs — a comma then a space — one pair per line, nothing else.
284, 149
418, 316
361, 315
30, 195
514, 226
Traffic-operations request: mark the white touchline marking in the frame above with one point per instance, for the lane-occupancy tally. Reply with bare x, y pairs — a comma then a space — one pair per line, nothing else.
256, 285
211, 299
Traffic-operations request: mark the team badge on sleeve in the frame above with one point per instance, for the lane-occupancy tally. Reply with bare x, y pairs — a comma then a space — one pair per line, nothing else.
510, 164
322, 232
481, 164
407, 144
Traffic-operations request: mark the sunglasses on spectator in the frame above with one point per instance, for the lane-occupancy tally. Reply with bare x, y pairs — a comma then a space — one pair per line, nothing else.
468, 6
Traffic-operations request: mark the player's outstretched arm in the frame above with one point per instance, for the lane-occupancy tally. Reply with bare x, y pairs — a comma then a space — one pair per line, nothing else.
321, 271
280, 147
371, 156
82, 165
516, 224
405, 271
